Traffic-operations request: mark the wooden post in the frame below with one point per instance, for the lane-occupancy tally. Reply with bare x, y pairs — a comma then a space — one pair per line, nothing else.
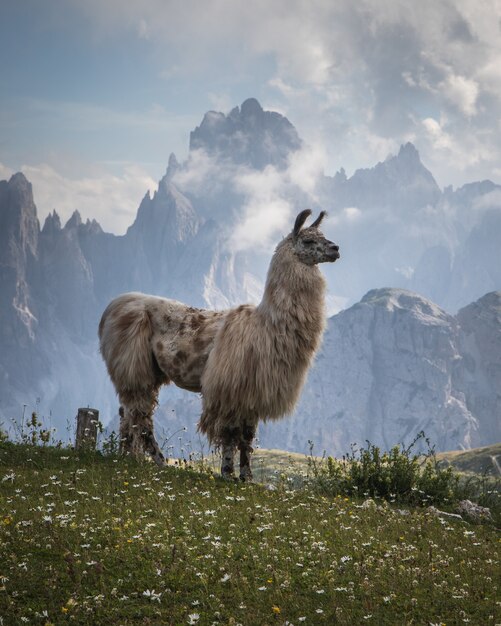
87, 420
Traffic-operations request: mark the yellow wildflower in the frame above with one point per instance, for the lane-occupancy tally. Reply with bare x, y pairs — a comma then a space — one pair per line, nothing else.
275, 609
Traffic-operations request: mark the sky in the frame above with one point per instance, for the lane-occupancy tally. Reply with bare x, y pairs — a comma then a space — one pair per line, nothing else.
95, 95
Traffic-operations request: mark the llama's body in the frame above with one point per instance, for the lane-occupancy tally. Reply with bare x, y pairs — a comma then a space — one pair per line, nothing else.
249, 362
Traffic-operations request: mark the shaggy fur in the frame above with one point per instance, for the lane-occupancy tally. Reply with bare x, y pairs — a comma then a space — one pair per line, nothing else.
249, 362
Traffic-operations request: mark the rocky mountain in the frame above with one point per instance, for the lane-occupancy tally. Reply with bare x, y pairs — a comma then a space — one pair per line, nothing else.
478, 373
395, 364
392, 363
247, 135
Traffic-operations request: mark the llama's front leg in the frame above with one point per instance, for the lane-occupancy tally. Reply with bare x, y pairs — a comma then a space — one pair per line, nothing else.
228, 448
246, 450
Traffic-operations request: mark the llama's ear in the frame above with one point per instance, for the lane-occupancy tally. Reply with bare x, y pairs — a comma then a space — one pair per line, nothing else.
319, 219
300, 220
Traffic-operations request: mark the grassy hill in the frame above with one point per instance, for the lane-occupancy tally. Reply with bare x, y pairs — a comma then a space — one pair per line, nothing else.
485, 460
87, 539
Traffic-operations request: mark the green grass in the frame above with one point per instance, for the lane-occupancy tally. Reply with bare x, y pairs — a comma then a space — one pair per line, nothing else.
87, 539
485, 460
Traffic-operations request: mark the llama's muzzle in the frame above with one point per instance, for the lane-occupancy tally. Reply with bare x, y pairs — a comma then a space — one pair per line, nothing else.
333, 252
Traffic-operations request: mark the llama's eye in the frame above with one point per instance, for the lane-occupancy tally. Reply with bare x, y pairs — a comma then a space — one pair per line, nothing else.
308, 241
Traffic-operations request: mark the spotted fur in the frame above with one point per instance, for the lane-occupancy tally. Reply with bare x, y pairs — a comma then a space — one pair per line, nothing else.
249, 362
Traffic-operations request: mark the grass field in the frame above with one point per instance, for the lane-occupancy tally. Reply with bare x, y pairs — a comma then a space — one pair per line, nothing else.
484, 460
87, 539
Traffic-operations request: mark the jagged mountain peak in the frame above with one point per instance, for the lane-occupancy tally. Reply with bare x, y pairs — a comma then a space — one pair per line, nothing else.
409, 151
172, 167
52, 223
75, 221
251, 107
406, 165
19, 180
248, 135
92, 227
488, 306
19, 227
19, 191
400, 181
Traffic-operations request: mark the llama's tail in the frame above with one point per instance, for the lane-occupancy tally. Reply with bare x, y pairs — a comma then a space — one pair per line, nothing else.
125, 333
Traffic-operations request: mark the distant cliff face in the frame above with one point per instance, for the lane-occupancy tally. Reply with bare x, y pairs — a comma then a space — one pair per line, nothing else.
478, 373
389, 368
19, 234
391, 364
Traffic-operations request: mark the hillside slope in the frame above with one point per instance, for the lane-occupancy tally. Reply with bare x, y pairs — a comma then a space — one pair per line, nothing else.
111, 541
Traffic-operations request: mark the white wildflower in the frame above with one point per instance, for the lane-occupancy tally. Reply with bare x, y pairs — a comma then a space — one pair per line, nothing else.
152, 595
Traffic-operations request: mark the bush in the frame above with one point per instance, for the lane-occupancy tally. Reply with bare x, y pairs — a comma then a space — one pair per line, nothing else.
399, 475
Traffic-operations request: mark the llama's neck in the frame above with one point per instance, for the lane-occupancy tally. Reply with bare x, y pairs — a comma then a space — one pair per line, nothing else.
294, 292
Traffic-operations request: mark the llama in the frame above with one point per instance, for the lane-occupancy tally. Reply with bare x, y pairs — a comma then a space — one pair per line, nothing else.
249, 362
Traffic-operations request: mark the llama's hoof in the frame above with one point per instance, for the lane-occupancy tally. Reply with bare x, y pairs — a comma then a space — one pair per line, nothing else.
246, 476
227, 473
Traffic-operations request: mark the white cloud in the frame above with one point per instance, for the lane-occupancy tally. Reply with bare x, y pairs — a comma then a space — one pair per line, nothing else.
263, 216
439, 137
5, 172
221, 101
468, 152
462, 92
306, 166
265, 209
347, 215
352, 213
357, 78
201, 174
490, 200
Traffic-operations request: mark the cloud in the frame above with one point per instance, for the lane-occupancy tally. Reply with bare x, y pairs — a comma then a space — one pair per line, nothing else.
357, 78
462, 92
5, 172
202, 174
263, 216
491, 200
269, 197
306, 166
259, 196
468, 152
262, 199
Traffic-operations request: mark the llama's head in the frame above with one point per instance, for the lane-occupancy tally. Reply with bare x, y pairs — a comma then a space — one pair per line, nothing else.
309, 244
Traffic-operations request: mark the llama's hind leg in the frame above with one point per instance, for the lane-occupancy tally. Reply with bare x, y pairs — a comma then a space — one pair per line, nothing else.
148, 441
229, 441
136, 425
126, 432
246, 450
